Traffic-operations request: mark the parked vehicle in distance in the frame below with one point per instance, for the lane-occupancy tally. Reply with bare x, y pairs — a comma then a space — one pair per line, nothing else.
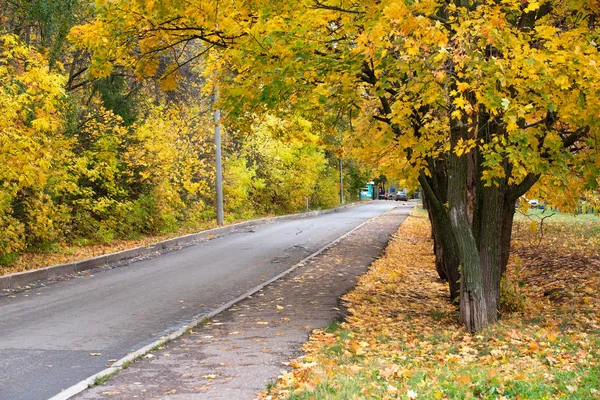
532, 203
401, 196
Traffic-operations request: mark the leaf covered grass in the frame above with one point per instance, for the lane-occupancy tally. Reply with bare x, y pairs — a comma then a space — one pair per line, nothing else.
402, 339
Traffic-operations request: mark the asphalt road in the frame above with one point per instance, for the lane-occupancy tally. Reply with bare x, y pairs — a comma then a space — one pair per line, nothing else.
54, 336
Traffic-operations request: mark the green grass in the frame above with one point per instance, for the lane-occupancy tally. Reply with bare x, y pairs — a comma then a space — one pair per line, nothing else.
556, 217
102, 379
8, 259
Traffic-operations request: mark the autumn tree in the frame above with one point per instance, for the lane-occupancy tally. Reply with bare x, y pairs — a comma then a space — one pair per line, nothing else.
481, 98
33, 104
73, 170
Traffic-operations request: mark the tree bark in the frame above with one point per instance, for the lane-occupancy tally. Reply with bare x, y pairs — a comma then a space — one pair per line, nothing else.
473, 308
447, 255
508, 216
438, 251
490, 248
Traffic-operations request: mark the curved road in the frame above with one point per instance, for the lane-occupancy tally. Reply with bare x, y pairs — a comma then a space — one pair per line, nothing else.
54, 336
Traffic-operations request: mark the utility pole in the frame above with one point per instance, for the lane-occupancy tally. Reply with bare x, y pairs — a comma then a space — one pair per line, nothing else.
341, 183
219, 175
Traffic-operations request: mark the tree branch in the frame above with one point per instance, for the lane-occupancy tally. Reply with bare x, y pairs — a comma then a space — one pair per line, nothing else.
570, 140
516, 191
382, 119
321, 5
432, 17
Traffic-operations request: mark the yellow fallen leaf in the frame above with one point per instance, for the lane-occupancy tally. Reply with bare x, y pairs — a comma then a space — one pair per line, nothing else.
354, 369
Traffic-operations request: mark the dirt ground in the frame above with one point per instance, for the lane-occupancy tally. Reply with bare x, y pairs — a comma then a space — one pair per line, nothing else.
237, 353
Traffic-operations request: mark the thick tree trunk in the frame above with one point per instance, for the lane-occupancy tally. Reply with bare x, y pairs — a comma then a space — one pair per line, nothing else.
438, 250
447, 254
490, 248
473, 308
508, 216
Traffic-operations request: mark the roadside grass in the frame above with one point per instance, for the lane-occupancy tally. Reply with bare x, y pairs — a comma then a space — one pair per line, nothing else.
547, 225
401, 339
104, 378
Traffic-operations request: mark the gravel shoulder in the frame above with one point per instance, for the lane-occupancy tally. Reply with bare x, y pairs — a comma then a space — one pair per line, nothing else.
238, 352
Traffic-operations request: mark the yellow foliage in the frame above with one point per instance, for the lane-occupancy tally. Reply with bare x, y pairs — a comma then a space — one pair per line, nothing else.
33, 147
289, 166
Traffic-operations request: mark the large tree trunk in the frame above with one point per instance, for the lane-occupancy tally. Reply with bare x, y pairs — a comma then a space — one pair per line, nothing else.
438, 250
473, 306
490, 247
508, 216
445, 247
475, 233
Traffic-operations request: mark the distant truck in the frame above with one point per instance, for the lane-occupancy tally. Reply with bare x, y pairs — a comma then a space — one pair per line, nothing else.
367, 191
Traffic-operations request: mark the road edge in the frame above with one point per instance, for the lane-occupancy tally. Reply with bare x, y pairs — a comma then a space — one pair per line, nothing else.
19, 279
197, 320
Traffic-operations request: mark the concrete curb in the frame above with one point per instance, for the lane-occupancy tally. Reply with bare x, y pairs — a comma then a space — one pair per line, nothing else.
198, 320
15, 280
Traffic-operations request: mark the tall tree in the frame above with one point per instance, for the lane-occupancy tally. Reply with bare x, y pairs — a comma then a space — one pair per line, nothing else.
481, 97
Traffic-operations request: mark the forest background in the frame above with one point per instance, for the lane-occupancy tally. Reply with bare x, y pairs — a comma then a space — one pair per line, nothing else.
87, 160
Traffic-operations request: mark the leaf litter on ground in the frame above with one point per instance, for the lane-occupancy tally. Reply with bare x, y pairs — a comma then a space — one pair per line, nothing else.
402, 339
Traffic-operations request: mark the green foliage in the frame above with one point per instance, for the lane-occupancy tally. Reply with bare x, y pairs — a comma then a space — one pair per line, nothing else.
284, 165
8, 259
327, 189
116, 96
355, 178
44, 23
238, 182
